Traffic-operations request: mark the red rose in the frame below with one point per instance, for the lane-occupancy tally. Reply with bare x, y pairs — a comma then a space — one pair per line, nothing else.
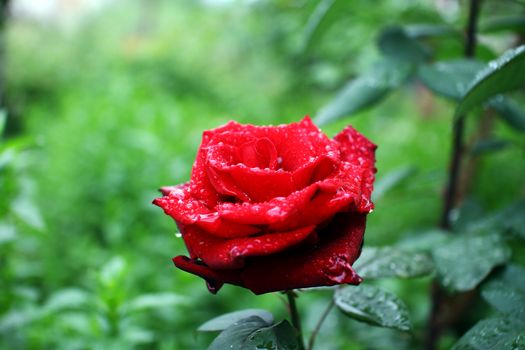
273, 208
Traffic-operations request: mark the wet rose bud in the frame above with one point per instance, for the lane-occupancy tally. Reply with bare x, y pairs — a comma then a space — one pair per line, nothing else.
274, 208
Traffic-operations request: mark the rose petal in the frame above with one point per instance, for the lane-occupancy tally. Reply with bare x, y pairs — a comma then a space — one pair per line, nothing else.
326, 265
360, 152
184, 209
230, 254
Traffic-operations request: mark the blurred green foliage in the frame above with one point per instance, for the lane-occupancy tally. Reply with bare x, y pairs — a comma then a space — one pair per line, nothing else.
102, 114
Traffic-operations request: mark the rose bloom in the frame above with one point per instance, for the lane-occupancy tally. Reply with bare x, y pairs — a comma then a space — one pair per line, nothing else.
273, 208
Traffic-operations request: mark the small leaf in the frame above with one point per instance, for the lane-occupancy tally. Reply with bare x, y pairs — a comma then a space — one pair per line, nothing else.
7, 233
509, 111
392, 262
374, 306
395, 44
222, 322
391, 180
488, 146
155, 300
504, 74
235, 336
503, 23
281, 336
364, 91
502, 332
450, 78
464, 261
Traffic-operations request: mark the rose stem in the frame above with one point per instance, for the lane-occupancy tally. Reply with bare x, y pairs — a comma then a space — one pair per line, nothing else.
435, 323
294, 314
311, 341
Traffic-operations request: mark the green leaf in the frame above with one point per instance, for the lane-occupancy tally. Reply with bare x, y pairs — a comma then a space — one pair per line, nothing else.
509, 111
424, 240
224, 321
392, 262
502, 332
504, 74
488, 146
429, 30
509, 219
503, 23
70, 298
236, 335
464, 261
397, 45
374, 306
364, 91
449, 78
503, 297
281, 336
391, 180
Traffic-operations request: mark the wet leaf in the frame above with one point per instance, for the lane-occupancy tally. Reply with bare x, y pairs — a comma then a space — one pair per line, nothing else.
503, 297
504, 74
392, 262
364, 91
501, 332
236, 335
224, 321
396, 44
281, 336
464, 261
450, 78
374, 306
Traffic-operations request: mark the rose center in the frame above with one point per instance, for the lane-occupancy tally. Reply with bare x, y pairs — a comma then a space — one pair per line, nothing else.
260, 153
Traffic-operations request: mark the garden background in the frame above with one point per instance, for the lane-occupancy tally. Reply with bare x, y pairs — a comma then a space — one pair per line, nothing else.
106, 101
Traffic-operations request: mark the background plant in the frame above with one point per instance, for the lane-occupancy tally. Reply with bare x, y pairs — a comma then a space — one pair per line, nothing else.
98, 115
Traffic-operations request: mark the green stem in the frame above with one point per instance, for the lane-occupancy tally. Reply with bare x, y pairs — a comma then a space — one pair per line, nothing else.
296, 320
311, 342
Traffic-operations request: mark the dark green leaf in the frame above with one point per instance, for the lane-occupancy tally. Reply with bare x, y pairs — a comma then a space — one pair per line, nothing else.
489, 145
364, 91
450, 78
396, 44
391, 180
503, 297
506, 23
392, 262
509, 219
509, 111
236, 335
504, 74
374, 306
222, 322
464, 261
281, 336
502, 332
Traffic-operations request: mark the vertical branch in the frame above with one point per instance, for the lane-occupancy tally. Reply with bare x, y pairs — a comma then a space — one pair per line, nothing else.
458, 132
436, 321
3, 19
296, 320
